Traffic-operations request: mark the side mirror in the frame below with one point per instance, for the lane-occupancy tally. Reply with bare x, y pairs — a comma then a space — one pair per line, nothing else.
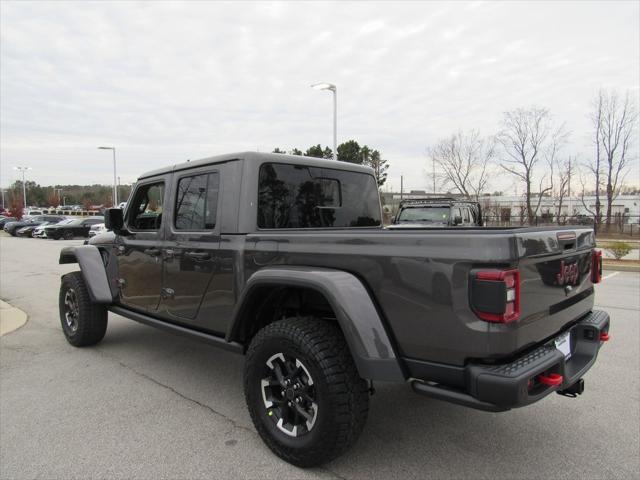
457, 220
114, 220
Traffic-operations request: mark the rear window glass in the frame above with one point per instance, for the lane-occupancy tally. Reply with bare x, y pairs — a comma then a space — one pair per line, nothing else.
298, 196
424, 214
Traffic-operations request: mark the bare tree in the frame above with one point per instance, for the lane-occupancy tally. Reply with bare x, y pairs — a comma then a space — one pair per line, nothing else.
616, 129
556, 168
561, 189
595, 166
594, 212
463, 158
525, 137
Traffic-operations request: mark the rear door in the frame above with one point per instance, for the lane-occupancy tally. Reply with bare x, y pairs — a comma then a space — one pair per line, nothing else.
191, 244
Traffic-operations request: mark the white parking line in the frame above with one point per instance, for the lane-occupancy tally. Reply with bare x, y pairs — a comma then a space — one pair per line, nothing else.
610, 275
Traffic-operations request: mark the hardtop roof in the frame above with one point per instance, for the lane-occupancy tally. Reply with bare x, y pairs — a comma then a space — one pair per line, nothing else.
262, 157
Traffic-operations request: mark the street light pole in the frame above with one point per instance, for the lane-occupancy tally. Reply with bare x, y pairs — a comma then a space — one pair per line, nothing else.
115, 185
24, 186
334, 89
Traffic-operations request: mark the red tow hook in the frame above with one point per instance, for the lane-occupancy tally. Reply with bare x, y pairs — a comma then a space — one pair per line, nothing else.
604, 337
552, 380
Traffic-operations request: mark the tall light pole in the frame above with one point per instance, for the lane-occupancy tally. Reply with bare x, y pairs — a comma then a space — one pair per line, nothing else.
24, 186
115, 185
332, 88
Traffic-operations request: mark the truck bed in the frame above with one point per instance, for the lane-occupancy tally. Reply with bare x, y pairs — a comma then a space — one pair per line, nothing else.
419, 279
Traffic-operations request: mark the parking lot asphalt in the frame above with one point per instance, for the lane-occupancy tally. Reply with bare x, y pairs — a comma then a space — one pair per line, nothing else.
147, 404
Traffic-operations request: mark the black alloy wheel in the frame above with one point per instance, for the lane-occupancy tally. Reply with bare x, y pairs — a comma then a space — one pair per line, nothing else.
289, 395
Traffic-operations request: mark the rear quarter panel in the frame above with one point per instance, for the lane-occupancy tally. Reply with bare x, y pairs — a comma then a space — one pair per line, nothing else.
419, 280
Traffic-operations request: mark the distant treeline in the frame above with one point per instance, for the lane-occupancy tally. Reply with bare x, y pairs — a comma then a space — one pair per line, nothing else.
53, 196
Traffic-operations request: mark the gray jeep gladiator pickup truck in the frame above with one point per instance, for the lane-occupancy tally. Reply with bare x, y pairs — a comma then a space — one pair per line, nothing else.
284, 259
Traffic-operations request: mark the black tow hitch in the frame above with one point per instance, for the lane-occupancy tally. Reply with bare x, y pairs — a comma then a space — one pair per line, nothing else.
574, 390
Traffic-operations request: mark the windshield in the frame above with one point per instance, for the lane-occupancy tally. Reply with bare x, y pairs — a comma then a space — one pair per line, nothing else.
424, 215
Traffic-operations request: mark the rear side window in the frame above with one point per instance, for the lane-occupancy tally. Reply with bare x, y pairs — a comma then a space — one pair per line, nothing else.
297, 196
197, 202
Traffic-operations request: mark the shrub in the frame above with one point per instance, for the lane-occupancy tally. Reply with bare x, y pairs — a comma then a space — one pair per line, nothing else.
619, 249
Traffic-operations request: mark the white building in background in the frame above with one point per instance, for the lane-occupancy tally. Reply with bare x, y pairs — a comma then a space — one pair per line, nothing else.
626, 208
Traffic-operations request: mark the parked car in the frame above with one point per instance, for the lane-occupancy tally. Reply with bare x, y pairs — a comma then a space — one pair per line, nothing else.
97, 229
13, 227
39, 231
6, 219
32, 212
78, 227
437, 212
27, 231
289, 264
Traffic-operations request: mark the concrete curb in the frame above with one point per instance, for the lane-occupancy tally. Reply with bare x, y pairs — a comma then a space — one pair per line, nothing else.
11, 318
620, 268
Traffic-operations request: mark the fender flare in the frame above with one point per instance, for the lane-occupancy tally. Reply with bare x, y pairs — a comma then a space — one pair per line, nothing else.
93, 271
360, 321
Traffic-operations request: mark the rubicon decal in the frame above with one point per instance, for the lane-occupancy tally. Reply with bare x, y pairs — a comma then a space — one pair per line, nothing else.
568, 274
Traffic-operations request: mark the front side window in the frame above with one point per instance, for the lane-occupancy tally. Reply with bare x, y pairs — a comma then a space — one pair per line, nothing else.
197, 202
146, 209
298, 196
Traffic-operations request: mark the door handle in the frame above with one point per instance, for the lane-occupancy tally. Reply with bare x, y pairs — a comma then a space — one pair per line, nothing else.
198, 255
154, 252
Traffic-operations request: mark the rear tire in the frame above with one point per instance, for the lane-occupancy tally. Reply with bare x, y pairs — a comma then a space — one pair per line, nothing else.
83, 323
303, 390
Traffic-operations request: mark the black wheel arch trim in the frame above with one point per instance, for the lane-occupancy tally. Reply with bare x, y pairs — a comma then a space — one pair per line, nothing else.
93, 271
361, 323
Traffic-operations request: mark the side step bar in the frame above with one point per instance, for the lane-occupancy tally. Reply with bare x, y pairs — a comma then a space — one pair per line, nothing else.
214, 340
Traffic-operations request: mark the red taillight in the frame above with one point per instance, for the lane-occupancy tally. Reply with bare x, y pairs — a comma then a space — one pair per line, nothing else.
505, 307
596, 266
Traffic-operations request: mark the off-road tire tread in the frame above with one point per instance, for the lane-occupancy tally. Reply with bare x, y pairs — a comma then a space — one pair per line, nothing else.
324, 342
92, 324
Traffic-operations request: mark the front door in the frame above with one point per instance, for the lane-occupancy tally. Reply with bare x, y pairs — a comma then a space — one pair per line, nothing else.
192, 243
140, 252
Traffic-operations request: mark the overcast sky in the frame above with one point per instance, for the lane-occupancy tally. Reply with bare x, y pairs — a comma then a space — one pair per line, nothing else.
166, 82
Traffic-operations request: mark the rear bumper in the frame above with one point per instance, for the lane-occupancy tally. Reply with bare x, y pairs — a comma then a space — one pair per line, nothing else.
521, 381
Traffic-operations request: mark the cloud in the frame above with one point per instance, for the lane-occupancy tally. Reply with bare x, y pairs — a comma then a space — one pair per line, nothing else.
167, 81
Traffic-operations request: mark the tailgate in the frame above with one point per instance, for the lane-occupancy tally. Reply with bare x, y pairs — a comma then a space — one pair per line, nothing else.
555, 286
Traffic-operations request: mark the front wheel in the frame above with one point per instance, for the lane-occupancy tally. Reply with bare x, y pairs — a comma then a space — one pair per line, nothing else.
303, 390
83, 323
68, 235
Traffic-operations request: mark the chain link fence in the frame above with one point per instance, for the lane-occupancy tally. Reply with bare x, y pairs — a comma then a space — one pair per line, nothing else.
621, 225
